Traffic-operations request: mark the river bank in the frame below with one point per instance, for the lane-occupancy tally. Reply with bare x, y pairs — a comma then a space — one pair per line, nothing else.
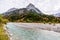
3, 34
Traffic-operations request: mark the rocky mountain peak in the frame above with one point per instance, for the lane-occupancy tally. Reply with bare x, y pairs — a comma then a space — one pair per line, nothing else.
12, 9
30, 5
22, 10
33, 8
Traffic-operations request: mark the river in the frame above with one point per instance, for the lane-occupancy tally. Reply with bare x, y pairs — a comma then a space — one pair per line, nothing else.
27, 33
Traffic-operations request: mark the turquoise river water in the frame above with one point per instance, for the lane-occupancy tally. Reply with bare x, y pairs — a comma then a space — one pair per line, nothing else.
22, 33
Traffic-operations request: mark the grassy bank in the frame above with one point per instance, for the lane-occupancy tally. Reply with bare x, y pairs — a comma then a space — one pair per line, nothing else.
3, 35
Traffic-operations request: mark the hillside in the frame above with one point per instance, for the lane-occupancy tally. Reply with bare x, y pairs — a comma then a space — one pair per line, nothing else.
29, 14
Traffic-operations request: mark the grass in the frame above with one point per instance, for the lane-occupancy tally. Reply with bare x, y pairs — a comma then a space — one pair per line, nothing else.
3, 35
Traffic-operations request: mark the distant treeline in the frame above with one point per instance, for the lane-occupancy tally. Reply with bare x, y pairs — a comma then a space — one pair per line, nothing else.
32, 17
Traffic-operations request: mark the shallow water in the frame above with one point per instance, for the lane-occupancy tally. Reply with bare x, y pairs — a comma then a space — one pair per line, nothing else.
21, 33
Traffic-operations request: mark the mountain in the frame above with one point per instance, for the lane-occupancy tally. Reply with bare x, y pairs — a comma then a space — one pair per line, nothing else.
30, 7
12, 9
29, 14
57, 15
33, 8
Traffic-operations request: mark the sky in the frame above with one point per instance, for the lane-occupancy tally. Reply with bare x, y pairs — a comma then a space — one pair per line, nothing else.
46, 6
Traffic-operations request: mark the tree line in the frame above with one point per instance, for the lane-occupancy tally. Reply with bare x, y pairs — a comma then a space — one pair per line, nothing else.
31, 17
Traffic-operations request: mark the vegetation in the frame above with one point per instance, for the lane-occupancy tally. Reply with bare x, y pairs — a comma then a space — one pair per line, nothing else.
3, 35
31, 16
3, 20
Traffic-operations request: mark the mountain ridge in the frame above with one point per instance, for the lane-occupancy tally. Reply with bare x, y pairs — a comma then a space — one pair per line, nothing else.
56, 15
30, 7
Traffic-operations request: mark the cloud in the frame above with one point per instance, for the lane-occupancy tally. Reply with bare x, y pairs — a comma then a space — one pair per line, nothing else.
46, 6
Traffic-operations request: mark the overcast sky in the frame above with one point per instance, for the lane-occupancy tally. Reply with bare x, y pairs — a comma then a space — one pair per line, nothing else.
46, 6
